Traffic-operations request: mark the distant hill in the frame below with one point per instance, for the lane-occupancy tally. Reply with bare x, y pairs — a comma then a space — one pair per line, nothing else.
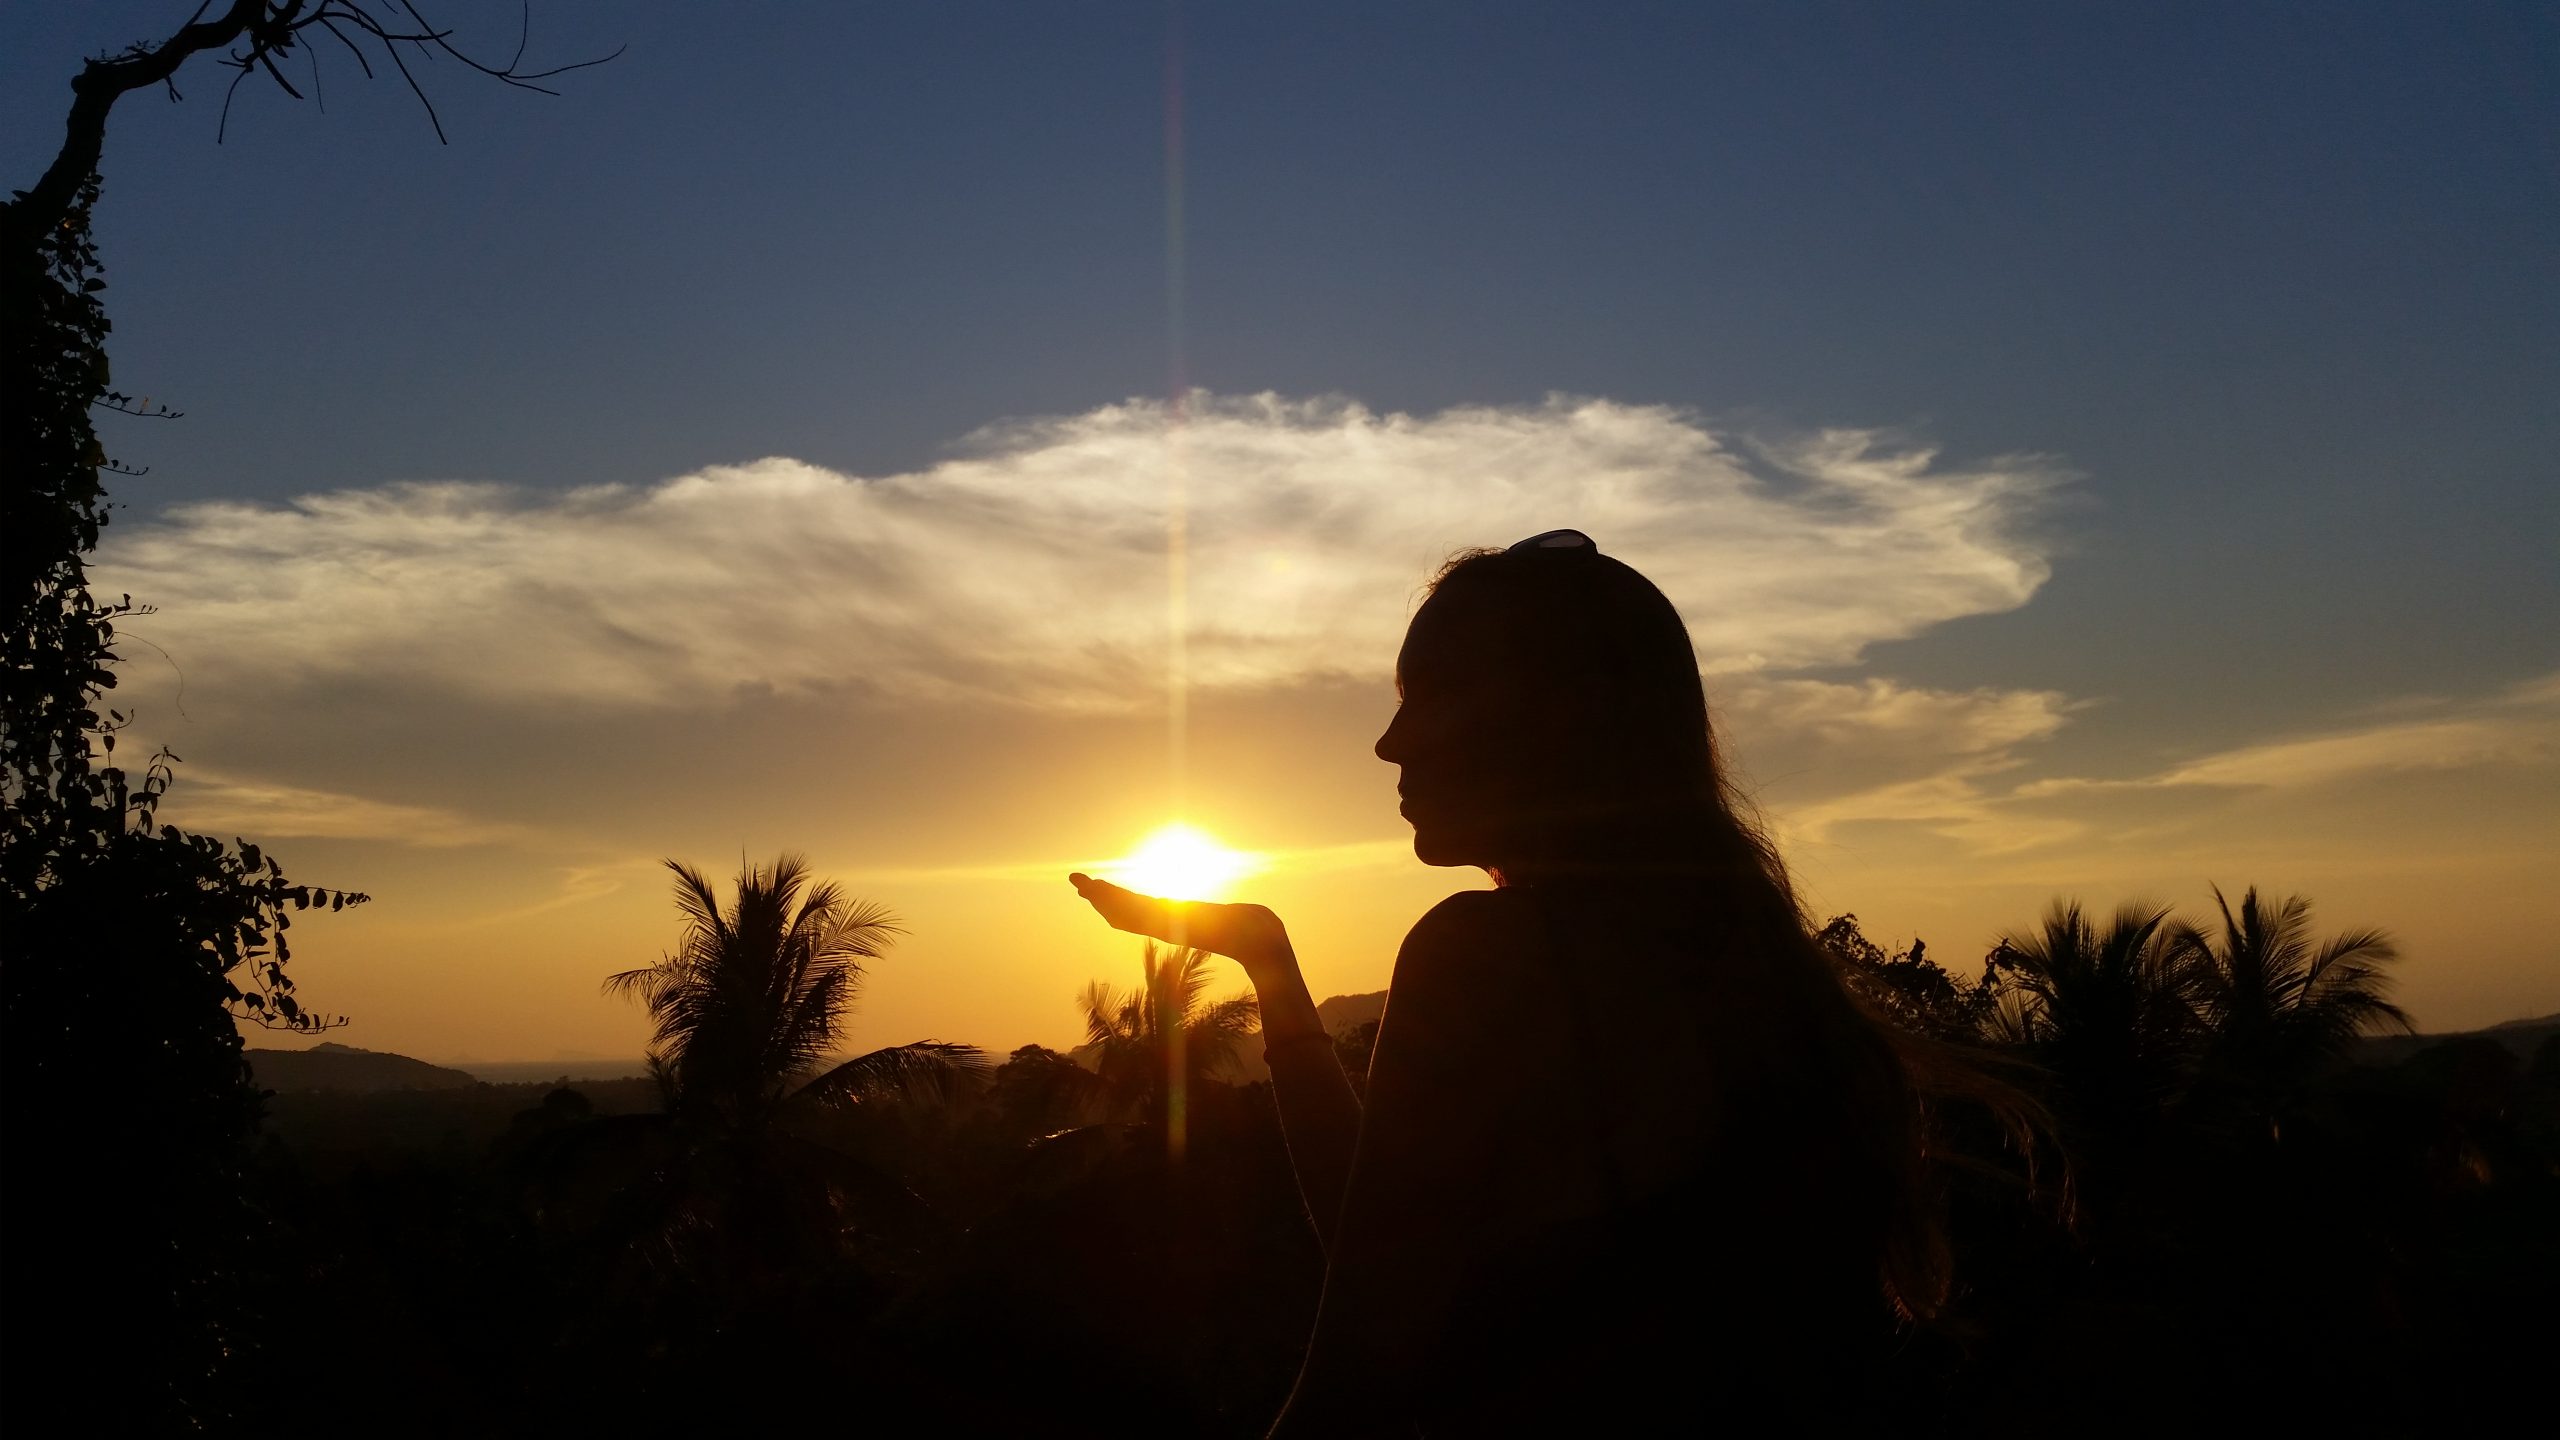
345, 1069
1344, 1011
2524, 1037
534, 1072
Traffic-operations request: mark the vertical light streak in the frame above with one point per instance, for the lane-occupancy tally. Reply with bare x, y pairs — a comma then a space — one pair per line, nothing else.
1177, 525
1177, 530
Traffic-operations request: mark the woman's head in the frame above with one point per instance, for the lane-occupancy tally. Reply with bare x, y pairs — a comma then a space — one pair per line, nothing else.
1551, 715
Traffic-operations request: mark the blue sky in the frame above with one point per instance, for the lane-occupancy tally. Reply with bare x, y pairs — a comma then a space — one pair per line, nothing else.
2275, 285
2279, 280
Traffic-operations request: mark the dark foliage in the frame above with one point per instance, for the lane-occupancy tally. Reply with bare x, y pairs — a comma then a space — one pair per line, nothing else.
454, 1272
131, 947
130, 950
1908, 987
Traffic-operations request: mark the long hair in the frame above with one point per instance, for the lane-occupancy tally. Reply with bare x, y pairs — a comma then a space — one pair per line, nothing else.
1626, 780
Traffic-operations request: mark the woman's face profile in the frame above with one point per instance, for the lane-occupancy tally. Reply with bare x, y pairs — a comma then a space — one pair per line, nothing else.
1457, 737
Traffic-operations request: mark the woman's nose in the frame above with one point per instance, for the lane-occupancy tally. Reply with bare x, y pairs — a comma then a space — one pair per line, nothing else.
1388, 748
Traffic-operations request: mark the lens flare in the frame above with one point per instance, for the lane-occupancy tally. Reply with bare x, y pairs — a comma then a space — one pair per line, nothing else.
1180, 862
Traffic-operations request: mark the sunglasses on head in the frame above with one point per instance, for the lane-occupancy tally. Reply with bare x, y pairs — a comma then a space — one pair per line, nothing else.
1556, 540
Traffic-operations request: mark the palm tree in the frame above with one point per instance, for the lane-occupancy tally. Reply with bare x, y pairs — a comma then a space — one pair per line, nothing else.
1154, 1043
2277, 1005
752, 1000
2104, 1011
756, 996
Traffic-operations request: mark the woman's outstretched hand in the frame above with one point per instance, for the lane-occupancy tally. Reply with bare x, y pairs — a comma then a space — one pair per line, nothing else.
1249, 934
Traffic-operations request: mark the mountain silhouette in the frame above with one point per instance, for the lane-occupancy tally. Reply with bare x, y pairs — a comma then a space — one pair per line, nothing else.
345, 1069
1344, 1011
2523, 1036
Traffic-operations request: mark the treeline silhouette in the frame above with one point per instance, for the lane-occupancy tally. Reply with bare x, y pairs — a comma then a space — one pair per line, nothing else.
2224, 1219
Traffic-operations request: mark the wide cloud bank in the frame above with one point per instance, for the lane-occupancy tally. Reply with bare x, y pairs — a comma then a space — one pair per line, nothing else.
1032, 569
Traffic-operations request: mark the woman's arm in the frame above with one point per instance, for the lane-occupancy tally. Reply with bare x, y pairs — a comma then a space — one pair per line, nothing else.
1429, 1188
1318, 1111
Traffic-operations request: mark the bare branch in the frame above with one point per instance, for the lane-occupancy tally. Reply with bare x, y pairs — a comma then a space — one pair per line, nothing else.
270, 28
268, 60
433, 119
322, 20
222, 127
510, 74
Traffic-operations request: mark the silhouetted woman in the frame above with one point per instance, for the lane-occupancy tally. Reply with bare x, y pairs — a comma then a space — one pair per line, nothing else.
1630, 1155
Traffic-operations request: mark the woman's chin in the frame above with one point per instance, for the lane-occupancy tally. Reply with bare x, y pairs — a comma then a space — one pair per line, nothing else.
1434, 845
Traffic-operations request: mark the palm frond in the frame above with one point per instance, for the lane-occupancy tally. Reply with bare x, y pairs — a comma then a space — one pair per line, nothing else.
757, 991
2276, 1003
695, 897
1218, 1030
639, 982
856, 929
2366, 948
1237, 1015
1095, 1003
1143, 1037
926, 1070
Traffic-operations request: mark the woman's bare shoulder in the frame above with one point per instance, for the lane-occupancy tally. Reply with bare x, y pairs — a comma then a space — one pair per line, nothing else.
1462, 996
1469, 939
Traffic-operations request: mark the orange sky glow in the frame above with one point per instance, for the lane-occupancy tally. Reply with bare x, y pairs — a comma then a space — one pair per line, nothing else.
507, 783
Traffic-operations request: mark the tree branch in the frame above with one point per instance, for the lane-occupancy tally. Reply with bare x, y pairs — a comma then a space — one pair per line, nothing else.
271, 27
94, 91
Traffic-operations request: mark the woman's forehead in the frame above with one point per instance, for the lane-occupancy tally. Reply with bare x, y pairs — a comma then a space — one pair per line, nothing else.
1443, 637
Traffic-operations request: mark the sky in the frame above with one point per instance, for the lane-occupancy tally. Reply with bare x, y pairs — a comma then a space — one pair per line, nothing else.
2100, 452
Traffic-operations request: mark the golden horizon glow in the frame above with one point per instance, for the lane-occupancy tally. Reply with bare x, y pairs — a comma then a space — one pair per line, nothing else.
1182, 862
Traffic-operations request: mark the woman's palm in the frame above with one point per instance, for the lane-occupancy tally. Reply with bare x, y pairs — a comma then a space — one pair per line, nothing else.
1247, 933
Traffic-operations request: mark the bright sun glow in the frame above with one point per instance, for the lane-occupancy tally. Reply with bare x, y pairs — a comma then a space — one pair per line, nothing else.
1181, 863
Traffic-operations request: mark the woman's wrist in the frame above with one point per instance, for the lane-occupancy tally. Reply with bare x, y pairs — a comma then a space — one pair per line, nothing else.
1288, 1010
1274, 1045
1272, 968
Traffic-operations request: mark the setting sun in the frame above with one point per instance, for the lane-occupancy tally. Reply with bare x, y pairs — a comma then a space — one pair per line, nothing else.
1181, 862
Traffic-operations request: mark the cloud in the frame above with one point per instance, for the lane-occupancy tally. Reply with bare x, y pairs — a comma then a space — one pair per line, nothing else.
2513, 728
214, 803
1954, 802
1820, 754
1032, 567
1956, 776
1874, 713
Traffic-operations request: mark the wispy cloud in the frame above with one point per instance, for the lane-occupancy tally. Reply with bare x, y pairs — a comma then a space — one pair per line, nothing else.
2514, 728
1961, 779
1030, 569
1865, 715
1825, 753
213, 802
